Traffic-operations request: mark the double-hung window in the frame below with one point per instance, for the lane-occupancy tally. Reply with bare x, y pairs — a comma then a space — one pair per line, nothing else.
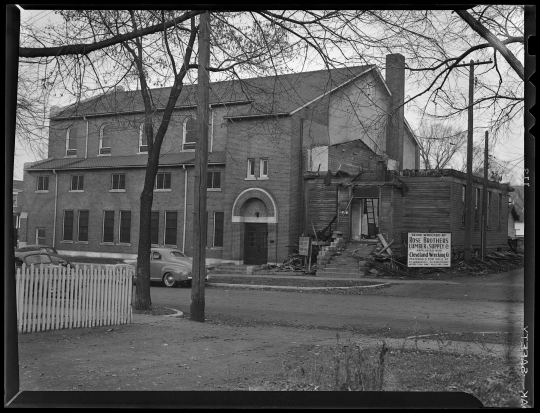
77, 182
104, 140
143, 142
43, 183
170, 227
154, 228
500, 212
213, 180
68, 226
71, 142
263, 171
118, 181
218, 229
251, 169
83, 226
15, 199
163, 180
108, 226
189, 138
125, 226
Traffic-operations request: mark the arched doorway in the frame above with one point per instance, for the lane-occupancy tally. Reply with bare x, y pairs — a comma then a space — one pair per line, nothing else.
255, 210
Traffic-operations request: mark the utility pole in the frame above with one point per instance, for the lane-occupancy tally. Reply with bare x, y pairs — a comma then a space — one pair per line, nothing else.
196, 311
485, 200
468, 187
469, 183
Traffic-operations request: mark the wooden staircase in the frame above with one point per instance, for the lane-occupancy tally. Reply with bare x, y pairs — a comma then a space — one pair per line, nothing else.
344, 265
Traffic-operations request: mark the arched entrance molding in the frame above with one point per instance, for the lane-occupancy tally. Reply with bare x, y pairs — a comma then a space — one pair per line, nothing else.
258, 193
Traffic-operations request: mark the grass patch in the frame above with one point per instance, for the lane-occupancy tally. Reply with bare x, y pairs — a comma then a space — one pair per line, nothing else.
348, 366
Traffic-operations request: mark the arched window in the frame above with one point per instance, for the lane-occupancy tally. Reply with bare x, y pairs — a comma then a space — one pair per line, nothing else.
71, 141
190, 134
143, 142
104, 140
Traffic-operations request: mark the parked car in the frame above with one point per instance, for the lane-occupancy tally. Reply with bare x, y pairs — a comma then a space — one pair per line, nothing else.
39, 257
56, 258
170, 266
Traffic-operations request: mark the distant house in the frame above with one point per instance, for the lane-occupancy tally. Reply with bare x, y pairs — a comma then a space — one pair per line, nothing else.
516, 224
18, 200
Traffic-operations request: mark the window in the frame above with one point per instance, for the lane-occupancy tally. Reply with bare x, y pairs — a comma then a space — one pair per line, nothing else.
154, 228
476, 209
163, 180
14, 199
125, 226
156, 255
40, 236
218, 229
71, 142
214, 180
251, 169
77, 182
83, 226
170, 228
43, 183
104, 141
143, 142
463, 188
263, 171
500, 212
118, 181
189, 138
68, 226
108, 226
489, 210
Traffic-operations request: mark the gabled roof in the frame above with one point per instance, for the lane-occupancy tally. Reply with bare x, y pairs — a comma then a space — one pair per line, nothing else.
280, 94
134, 161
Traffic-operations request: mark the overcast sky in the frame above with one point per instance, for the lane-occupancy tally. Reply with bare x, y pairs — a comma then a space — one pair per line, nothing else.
509, 150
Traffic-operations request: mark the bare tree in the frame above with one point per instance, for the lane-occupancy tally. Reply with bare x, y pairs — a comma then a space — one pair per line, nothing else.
93, 51
439, 144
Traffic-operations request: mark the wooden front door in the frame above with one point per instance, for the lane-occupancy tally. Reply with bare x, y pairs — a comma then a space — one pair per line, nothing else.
256, 244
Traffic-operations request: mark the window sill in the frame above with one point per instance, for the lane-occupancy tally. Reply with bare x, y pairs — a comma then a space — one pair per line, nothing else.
188, 150
213, 189
263, 178
162, 190
106, 243
66, 242
117, 190
81, 242
76, 190
250, 178
42, 192
169, 246
123, 244
103, 154
215, 248
70, 156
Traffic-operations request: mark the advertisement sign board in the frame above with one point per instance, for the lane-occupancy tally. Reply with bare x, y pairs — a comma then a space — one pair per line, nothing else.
429, 249
303, 246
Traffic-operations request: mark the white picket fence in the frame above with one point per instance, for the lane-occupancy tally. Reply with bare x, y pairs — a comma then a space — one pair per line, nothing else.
54, 297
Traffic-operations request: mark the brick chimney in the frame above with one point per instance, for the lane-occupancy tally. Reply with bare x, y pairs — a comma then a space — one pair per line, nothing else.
395, 132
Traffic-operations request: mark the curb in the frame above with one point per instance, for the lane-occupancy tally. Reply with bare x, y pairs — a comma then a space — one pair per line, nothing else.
283, 287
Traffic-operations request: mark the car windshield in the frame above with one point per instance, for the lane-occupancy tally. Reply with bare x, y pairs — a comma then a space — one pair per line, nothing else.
177, 254
48, 249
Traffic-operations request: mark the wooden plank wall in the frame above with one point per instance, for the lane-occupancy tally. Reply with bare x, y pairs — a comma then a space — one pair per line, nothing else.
320, 204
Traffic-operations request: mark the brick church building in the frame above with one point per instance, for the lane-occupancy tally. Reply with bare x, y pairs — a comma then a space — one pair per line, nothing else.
272, 142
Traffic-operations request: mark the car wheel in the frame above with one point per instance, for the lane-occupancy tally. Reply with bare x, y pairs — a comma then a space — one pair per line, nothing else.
169, 281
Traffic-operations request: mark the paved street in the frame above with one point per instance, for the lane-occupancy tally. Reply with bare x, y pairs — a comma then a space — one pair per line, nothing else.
364, 311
